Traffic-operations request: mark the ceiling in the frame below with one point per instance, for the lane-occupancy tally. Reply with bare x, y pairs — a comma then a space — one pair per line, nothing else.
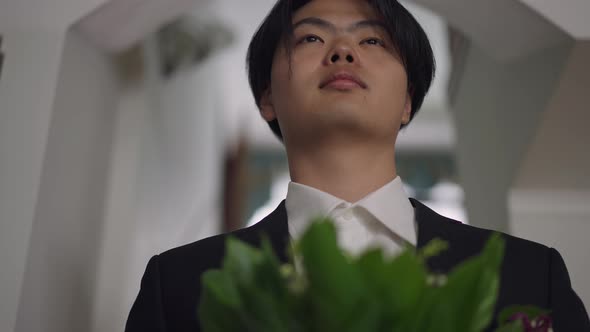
119, 24
572, 16
503, 29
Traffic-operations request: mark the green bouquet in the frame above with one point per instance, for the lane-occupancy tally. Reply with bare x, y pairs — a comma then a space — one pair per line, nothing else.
323, 289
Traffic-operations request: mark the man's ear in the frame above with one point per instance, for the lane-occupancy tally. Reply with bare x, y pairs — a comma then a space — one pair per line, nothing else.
267, 110
407, 113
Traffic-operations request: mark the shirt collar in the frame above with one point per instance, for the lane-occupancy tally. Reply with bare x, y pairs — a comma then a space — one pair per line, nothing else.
304, 203
389, 205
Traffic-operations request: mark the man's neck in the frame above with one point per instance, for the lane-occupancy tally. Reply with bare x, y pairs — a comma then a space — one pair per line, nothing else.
347, 171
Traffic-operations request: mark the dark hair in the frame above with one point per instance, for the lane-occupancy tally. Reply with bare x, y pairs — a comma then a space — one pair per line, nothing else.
409, 39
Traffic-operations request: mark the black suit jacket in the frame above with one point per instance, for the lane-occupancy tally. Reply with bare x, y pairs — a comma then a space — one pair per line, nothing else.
531, 273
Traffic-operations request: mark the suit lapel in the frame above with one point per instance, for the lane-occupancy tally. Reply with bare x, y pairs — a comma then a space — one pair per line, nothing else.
428, 224
462, 243
276, 228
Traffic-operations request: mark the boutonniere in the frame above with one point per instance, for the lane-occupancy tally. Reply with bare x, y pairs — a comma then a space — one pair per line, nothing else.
324, 289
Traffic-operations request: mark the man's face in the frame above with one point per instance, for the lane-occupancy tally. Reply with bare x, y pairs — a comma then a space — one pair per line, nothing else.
345, 78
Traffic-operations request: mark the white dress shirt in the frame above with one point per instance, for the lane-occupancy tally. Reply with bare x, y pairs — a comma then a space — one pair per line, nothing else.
383, 218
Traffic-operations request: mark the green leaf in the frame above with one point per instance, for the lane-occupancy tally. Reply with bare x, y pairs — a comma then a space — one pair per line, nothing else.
222, 288
433, 314
473, 286
267, 300
263, 311
335, 284
247, 293
219, 300
433, 248
409, 281
366, 317
241, 259
396, 284
332, 292
466, 301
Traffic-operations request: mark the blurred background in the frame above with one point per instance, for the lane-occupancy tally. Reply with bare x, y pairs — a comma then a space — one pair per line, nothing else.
128, 128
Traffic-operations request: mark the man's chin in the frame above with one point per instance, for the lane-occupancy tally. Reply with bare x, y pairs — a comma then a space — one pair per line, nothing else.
343, 107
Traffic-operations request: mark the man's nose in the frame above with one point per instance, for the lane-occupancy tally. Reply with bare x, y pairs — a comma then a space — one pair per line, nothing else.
336, 57
341, 53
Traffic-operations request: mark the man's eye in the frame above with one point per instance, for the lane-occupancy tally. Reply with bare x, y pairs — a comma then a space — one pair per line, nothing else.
373, 41
310, 39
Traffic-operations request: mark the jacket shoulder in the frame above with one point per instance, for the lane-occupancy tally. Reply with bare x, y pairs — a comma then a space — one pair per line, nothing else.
180, 272
511, 240
524, 275
212, 248
208, 250
471, 235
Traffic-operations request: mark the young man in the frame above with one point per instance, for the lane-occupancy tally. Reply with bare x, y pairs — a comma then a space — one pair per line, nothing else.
336, 80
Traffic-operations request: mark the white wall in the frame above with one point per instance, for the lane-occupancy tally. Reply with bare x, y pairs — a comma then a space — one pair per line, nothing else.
550, 196
34, 34
165, 179
557, 156
39, 15
39, 202
26, 95
181, 154
522, 148
112, 289
65, 239
498, 106
240, 113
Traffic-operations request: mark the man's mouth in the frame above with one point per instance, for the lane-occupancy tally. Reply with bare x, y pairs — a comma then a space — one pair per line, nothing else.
343, 81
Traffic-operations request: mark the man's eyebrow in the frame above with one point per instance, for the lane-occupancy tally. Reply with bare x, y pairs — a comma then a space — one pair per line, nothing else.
321, 23
315, 21
368, 24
